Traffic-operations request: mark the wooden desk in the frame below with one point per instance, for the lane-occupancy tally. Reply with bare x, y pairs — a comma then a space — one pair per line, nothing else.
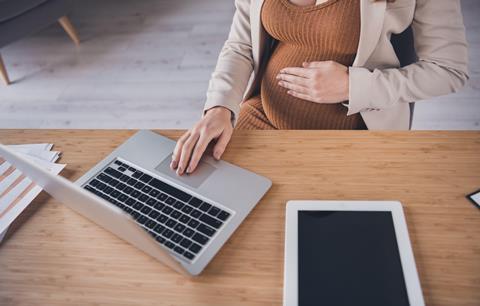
57, 257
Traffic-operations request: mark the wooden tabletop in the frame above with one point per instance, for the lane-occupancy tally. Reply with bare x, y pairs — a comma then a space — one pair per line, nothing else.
56, 257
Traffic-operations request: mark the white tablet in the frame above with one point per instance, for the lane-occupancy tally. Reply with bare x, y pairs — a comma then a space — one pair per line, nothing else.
349, 253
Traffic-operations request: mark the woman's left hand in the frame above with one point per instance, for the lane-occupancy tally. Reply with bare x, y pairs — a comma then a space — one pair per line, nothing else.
320, 82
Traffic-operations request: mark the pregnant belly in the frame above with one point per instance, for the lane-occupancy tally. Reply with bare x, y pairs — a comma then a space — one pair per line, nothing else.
287, 112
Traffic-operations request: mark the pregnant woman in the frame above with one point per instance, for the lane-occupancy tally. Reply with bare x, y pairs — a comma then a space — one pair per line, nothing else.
326, 64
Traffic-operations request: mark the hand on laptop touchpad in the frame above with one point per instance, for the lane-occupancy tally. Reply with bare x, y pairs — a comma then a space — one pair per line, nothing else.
195, 179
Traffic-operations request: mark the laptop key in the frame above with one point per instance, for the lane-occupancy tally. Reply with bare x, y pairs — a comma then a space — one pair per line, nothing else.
176, 214
167, 233
124, 178
146, 210
137, 174
195, 213
178, 205
136, 194
128, 190
170, 201
186, 243
205, 207
162, 197
167, 210
188, 255
187, 209
154, 192
114, 182
121, 186
146, 189
154, 214
213, 211
193, 223
195, 248
101, 186
201, 239
159, 228
145, 178
179, 250
104, 178
179, 227
115, 194
139, 185
123, 198
176, 238
188, 232
195, 202
162, 218
142, 219
161, 239
151, 224
159, 206
210, 221
130, 201
94, 182
132, 181
207, 230
171, 223
223, 215
184, 219
108, 190
151, 201
138, 206
169, 244
177, 193
144, 198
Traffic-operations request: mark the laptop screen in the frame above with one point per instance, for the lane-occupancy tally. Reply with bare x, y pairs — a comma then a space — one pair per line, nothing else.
349, 258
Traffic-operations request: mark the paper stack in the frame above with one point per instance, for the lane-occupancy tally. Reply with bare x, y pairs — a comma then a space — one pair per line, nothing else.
17, 190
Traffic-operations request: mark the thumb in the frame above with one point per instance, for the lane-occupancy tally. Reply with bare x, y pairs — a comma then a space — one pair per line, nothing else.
221, 144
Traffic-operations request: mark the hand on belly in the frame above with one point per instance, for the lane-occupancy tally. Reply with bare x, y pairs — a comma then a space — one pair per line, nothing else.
320, 82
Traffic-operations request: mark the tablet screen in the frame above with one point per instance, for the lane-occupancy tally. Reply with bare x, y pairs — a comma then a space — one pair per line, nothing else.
349, 258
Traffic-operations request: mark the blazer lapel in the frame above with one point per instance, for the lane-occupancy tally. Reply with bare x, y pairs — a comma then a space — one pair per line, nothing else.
256, 29
371, 23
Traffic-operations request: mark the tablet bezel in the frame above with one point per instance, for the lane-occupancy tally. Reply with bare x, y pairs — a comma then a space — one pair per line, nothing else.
290, 289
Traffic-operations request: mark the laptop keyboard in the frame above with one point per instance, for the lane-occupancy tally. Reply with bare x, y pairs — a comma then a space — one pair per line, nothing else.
176, 219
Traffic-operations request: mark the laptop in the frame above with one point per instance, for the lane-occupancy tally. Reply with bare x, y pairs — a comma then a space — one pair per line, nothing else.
182, 221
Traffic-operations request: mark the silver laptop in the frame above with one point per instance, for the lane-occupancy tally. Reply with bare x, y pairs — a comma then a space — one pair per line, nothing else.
181, 221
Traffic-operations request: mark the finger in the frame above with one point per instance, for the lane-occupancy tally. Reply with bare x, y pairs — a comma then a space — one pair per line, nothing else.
178, 148
198, 151
291, 86
187, 152
301, 96
222, 143
314, 64
293, 79
301, 72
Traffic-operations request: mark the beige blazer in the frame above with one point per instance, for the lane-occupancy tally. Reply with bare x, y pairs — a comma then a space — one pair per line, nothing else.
379, 89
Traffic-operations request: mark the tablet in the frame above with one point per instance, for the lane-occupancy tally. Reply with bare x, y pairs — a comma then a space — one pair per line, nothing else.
348, 253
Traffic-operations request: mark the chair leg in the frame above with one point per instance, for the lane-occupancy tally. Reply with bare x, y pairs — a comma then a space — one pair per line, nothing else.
3, 72
68, 27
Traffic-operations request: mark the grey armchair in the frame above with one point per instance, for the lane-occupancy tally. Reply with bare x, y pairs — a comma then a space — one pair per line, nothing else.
20, 18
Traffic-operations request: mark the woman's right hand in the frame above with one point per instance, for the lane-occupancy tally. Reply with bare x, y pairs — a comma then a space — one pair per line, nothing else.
215, 125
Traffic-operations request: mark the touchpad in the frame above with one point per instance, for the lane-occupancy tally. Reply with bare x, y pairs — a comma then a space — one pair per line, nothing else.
195, 179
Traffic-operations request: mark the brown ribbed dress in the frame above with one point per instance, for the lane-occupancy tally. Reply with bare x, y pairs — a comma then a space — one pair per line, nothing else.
328, 31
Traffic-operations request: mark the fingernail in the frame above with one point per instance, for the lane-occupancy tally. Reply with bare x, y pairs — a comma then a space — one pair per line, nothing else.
216, 155
173, 164
189, 169
179, 171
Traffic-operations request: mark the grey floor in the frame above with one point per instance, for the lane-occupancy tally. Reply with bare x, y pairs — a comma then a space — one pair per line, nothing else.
146, 64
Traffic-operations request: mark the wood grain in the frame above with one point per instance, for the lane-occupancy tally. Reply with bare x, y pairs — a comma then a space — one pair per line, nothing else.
57, 257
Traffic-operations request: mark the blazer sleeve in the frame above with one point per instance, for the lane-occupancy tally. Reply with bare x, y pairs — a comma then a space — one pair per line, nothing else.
441, 47
235, 64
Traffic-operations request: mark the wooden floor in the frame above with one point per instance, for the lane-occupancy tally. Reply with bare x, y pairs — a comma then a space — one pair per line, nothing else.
146, 64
